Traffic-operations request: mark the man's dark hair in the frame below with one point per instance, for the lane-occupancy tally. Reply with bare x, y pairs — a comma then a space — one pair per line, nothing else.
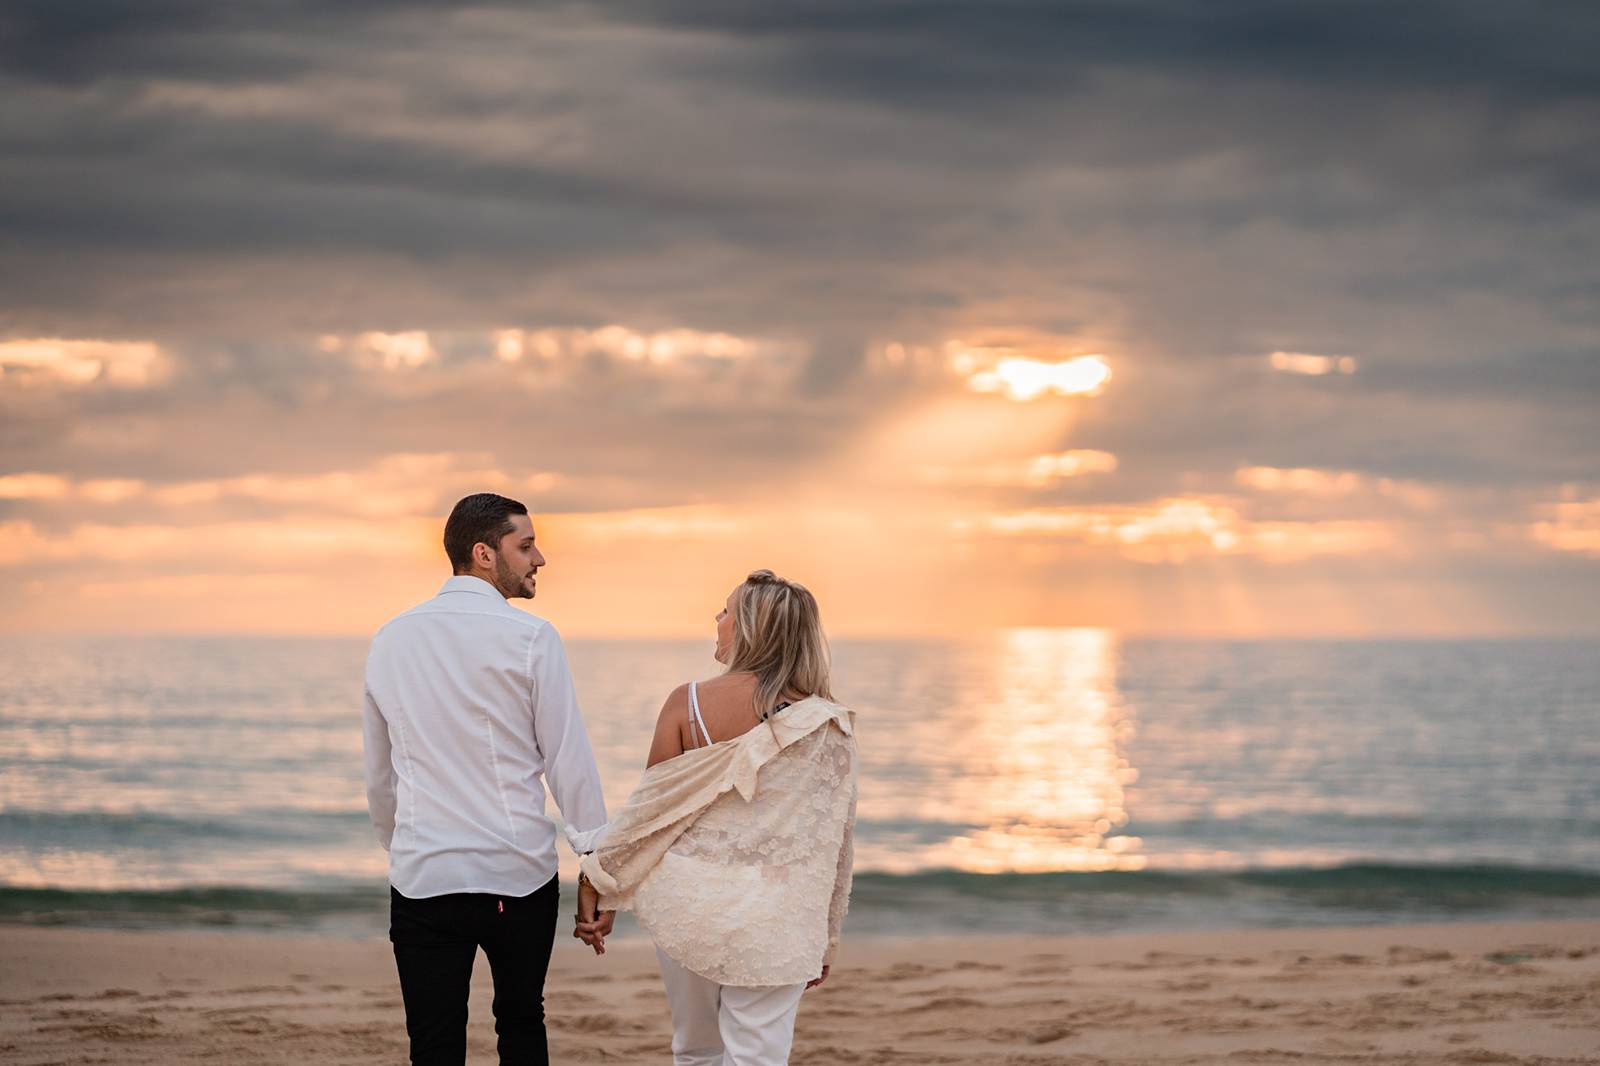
482, 518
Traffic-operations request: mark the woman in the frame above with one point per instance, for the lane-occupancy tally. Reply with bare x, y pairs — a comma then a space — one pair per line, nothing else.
734, 852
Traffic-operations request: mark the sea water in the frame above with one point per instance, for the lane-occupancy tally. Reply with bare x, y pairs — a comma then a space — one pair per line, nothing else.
1053, 780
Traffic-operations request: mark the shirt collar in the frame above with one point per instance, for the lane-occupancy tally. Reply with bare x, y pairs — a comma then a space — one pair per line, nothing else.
468, 583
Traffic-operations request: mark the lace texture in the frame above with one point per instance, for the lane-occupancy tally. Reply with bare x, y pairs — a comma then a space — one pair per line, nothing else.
745, 879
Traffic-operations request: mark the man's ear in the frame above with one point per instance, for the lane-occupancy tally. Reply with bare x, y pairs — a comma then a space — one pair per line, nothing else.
482, 554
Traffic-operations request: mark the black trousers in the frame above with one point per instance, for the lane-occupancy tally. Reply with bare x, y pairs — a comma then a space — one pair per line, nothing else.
435, 942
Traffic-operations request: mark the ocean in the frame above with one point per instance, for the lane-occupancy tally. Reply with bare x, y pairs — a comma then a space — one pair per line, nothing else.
1032, 781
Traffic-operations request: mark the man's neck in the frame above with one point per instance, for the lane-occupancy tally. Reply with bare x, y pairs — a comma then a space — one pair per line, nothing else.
486, 581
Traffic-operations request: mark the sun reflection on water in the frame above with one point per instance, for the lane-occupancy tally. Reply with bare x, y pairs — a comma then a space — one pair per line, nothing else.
1046, 774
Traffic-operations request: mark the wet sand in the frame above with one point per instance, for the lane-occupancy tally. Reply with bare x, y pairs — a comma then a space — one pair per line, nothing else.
1526, 993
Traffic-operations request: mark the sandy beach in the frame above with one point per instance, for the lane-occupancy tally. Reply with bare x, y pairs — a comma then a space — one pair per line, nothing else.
1449, 993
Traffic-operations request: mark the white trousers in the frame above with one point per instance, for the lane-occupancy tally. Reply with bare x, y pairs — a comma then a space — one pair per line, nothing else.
723, 1025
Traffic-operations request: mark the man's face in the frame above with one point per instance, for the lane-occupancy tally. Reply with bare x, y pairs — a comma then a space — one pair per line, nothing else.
517, 561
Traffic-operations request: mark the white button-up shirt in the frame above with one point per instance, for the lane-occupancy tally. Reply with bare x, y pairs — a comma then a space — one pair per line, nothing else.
469, 706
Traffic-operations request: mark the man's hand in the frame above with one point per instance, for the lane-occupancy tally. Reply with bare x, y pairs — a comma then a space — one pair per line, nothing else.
594, 933
815, 981
589, 927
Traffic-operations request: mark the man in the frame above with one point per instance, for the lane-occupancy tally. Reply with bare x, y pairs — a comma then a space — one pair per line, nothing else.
469, 706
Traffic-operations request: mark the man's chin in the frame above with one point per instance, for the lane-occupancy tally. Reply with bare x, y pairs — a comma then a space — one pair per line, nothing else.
519, 591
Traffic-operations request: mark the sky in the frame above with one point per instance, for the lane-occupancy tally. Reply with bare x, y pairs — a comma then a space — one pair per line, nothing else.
1241, 318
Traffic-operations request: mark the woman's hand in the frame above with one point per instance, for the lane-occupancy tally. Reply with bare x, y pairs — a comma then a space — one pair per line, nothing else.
588, 926
814, 982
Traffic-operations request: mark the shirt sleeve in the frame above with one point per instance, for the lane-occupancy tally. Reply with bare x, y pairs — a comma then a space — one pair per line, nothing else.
380, 769
569, 765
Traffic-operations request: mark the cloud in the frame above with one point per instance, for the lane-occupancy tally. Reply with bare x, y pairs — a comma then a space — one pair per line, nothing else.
397, 485
1344, 486
393, 351
253, 545
620, 342
1303, 479
1028, 47
1178, 529
700, 260
33, 486
788, 163
121, 364
698, 523
1040, 471
1570, 526
1028, 379
1311, 365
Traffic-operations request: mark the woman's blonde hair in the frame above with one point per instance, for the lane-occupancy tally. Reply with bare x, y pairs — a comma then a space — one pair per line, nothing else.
777, 635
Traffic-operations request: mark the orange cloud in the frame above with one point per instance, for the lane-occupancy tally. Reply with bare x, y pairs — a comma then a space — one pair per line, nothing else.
1312, 365
1178, 528
392, 351
23, 544
396, 485
125, 364
252, 544
667, 346
1312, 481
1019, 378
1298, 479
33, 486
649, 523
1570, 526
1040, 471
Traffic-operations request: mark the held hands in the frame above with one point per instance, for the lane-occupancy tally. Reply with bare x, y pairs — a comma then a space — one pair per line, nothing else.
589, 927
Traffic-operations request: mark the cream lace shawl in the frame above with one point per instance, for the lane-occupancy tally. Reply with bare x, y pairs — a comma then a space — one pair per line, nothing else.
737, 857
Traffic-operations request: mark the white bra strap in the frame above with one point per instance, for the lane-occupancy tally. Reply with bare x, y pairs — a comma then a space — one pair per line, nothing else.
694, 716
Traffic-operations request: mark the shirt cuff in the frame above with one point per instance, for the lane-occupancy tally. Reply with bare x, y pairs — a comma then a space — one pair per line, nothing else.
586, 841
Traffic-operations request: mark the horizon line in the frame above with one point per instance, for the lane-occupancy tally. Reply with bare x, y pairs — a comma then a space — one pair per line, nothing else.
979, 633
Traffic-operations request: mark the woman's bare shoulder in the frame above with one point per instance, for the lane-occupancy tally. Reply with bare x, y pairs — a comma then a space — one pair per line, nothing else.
677, 702
671, 727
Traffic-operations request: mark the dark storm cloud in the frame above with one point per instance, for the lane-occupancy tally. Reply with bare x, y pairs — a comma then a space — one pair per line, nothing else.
382, 201
1557, 378
1013, 86
909, 50
904, 50
77, 43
